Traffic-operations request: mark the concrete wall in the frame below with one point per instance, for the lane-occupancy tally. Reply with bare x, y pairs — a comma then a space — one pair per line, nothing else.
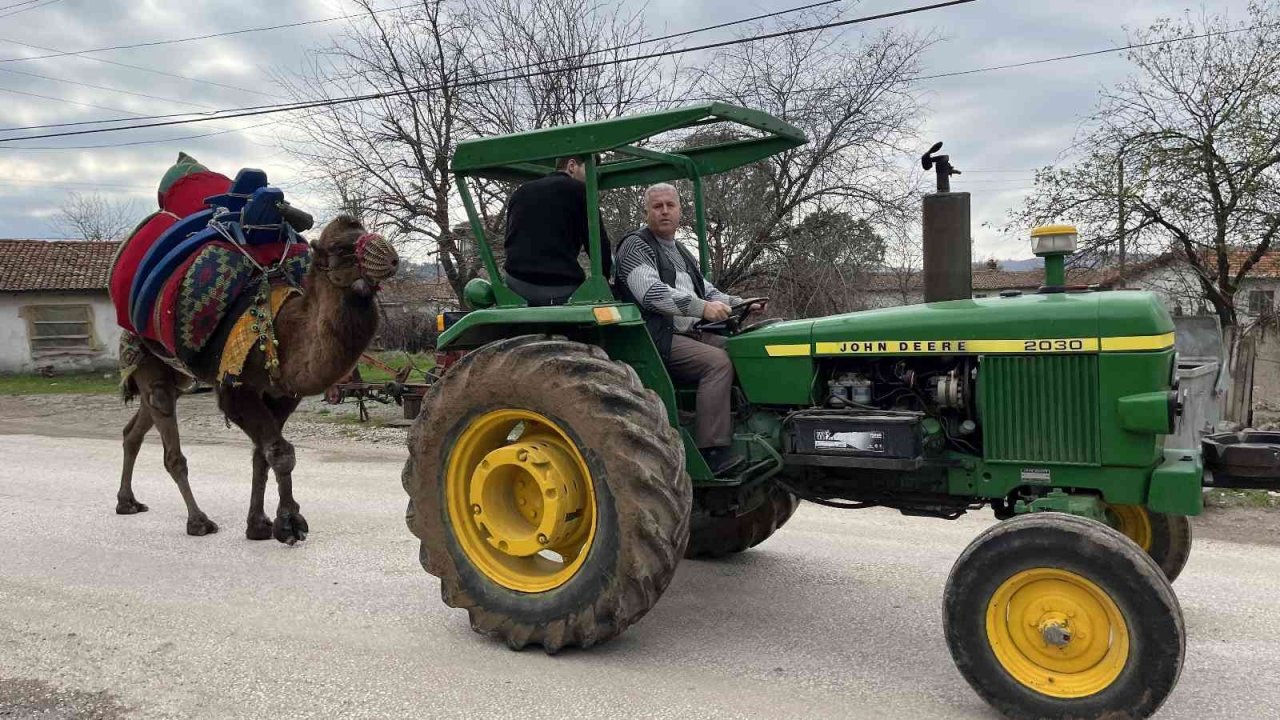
15, 347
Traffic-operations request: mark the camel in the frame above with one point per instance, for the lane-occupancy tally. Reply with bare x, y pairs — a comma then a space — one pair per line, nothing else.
321, 334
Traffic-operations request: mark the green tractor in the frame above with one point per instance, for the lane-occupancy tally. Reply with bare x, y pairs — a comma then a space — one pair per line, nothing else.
555, 486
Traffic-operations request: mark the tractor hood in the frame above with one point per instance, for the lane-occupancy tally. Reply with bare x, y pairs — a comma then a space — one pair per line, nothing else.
1095, 320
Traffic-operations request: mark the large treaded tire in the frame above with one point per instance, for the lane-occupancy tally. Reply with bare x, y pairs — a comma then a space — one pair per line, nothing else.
1097, 553
714, 537
636, 460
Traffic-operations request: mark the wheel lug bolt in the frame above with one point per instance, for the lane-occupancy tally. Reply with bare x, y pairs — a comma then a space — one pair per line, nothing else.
522, 456
475, 509
542, 539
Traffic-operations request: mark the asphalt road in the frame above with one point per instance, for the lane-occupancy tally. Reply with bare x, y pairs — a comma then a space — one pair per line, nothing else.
837, 616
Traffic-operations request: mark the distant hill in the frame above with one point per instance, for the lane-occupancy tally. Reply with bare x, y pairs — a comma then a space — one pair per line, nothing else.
1027, 264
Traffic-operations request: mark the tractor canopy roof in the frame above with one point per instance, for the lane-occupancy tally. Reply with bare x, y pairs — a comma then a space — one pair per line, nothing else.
528, 155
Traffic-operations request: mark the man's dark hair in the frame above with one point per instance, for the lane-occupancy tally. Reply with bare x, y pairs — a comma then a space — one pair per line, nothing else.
563, 162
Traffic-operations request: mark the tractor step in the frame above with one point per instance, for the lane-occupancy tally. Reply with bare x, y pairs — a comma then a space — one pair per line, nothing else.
1246, 460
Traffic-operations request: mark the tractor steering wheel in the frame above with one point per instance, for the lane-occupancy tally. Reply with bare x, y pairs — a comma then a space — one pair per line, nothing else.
732, 324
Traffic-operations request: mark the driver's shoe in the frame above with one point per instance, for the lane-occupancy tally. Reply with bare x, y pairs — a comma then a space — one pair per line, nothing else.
721, 459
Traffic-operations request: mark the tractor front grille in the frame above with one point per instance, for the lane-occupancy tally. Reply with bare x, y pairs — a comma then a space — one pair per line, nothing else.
1040, 408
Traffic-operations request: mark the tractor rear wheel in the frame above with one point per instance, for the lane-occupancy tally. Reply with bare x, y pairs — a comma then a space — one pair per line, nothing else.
713, 537
1166, 538
549, 492
1056, 616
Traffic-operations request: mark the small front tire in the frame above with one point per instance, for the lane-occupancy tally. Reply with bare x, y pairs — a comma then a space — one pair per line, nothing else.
1056, 616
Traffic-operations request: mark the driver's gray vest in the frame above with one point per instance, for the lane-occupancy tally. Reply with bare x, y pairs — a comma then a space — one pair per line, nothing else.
661, 327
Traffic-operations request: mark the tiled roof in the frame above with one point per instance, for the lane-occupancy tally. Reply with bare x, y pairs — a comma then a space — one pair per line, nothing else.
44, 265
988, 280
1268, 266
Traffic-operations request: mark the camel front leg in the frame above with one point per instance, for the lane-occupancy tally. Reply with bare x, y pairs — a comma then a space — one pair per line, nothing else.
248, 410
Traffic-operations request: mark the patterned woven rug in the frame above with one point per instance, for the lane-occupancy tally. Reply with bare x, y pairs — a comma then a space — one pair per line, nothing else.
210, 289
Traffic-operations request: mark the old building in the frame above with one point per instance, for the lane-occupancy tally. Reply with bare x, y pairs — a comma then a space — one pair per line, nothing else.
1170, 277
889, 289
54, 309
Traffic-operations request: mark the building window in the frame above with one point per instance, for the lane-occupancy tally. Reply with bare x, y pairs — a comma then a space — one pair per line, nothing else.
54, 329
1261, 302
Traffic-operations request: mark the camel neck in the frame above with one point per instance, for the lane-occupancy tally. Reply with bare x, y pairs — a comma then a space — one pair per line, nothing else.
322, 334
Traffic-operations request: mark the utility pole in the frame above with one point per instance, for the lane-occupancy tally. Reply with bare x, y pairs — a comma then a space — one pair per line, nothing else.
1120, 213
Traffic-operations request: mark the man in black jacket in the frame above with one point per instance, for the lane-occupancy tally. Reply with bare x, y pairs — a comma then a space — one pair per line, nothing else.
546, 230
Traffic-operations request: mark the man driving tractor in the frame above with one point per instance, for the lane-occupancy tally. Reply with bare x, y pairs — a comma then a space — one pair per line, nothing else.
659, 276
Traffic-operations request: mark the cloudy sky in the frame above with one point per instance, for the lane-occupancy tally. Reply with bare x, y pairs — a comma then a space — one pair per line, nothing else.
997, 126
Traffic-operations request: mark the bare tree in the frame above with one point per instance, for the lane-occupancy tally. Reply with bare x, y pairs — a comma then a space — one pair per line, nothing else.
483, 68
94, 217
904, 260
823, 264
392, 154
848, 92
569, 60
1184, 156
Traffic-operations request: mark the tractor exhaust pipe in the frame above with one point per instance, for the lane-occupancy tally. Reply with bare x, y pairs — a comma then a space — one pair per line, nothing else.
948, 245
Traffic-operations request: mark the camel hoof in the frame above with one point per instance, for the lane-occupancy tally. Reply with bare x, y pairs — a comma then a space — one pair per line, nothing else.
289, 528
129, 507
201, 525
258, 528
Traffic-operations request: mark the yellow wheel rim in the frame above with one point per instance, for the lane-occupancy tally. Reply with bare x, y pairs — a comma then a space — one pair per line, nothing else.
1134, 523
520, 500
1057, 633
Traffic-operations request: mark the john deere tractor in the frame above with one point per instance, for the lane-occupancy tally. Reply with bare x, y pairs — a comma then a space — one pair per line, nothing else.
555, 486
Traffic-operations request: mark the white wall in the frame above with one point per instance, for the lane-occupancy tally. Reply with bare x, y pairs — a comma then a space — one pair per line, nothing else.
15, 349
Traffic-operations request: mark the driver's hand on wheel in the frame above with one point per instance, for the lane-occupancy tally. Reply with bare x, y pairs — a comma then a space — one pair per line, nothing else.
759, 307
715, 311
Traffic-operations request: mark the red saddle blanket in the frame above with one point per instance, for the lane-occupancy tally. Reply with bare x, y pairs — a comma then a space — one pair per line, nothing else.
202, 295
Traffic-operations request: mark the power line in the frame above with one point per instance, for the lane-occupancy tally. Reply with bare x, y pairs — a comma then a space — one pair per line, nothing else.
24, 2
303, 105
104, 87
145, 142
644, 41
175, 41
71, 102
72, 184
33, 7
140, 68
1041, 61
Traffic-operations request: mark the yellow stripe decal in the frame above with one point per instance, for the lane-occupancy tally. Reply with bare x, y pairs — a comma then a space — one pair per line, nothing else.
982, 347
1137, 342
787, 350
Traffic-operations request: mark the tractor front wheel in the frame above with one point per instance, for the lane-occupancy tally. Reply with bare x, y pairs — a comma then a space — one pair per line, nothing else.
549, 492
1056, 616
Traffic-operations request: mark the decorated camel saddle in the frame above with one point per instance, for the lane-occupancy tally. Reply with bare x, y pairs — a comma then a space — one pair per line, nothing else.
209, 270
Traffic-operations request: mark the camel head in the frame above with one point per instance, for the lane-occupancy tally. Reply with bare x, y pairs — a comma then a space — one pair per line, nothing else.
351, 258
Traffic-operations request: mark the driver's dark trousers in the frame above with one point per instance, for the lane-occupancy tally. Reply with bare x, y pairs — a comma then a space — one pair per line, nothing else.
704, 361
